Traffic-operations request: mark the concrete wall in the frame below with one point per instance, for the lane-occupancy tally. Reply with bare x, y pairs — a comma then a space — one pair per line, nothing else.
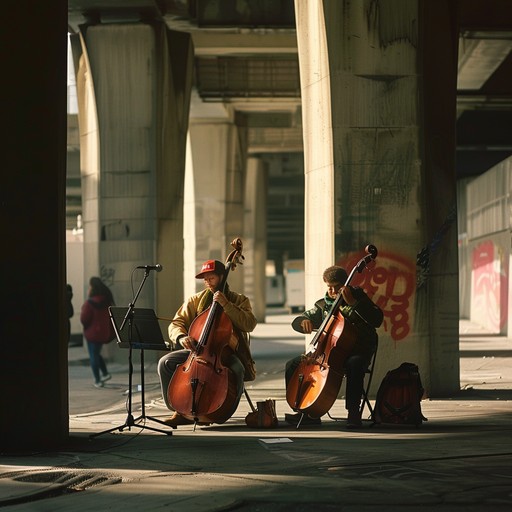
489, 203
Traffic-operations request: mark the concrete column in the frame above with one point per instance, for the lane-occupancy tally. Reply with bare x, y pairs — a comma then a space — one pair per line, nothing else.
437, 293
174, 93
256, 236
133, 111
33, 320
216, 195
318, 146
368, 169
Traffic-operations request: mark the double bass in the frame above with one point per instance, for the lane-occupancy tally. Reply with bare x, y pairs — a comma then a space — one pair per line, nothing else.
316, 382
203, 389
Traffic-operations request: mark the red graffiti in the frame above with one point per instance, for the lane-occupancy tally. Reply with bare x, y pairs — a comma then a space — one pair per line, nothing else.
390, 281
489, 296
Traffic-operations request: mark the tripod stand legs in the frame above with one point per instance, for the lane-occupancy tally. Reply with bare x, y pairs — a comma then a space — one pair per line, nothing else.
133, 422
130, 420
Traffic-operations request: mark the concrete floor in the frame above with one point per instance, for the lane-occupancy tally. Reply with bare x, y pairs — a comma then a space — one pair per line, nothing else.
461, 459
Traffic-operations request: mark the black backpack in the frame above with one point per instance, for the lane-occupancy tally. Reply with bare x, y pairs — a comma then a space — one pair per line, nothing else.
398, 400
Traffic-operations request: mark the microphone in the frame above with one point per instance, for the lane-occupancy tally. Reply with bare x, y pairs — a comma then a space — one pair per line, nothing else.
157, 267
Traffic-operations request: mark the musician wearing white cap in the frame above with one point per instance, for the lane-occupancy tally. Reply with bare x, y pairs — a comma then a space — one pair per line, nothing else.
238, 309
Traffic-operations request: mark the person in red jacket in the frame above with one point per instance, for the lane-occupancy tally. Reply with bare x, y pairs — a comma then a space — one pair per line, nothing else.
97, 327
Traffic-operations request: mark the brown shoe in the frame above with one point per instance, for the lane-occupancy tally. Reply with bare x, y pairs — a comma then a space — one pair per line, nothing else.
177, 419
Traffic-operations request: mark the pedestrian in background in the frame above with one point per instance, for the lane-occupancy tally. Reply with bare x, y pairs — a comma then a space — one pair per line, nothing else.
98, 328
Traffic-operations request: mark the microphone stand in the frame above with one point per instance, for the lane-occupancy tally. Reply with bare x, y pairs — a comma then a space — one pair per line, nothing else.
130, 420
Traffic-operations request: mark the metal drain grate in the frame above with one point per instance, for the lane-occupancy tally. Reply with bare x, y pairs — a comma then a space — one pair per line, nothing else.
73, 479
51, 483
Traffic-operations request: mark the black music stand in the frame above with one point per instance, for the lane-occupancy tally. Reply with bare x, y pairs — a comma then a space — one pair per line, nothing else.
136, 329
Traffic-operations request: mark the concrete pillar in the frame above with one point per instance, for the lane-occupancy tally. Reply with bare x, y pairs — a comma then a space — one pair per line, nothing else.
174, 95
256, 236
215, 197
437, 293
365, 78
33, 320
133, 112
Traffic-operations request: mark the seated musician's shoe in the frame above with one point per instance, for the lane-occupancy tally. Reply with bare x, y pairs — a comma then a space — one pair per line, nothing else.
293, 419
177, 419
354, 418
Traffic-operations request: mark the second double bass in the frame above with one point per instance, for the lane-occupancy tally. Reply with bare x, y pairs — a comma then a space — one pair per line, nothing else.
314, 379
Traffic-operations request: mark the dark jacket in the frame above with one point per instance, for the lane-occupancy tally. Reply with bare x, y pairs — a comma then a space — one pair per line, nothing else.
364, 315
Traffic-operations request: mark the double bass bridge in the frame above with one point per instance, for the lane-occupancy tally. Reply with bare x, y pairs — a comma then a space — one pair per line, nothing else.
315, 361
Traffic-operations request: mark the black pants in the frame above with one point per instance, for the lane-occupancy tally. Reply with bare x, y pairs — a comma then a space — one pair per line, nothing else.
354, 368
